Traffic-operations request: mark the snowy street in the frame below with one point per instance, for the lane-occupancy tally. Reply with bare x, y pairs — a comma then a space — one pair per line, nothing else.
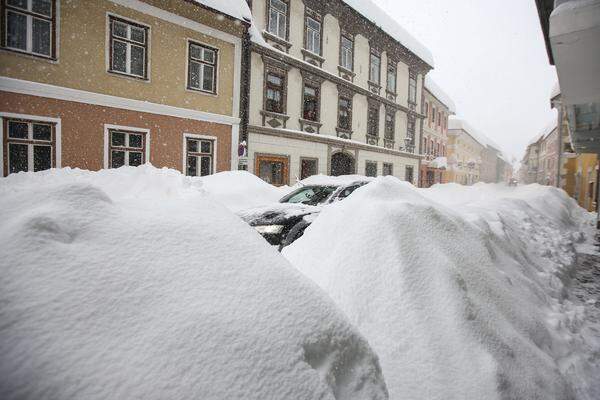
141, 282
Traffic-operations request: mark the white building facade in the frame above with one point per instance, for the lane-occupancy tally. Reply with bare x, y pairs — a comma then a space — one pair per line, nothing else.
332, 93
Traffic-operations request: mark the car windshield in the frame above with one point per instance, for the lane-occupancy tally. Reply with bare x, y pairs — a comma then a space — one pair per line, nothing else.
311, 195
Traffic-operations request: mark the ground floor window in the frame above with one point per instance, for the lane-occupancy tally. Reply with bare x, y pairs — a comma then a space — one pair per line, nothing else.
409, 173
28, 145
371, 168
127, 148
388, 169
199, 155
308, 167
272, 169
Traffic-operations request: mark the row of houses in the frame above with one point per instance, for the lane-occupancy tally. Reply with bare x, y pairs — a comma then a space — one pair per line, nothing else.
282, 88
550, 159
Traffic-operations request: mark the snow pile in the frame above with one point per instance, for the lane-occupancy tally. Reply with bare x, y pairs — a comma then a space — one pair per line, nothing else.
461, 300
238, 190
134, 284
439, 162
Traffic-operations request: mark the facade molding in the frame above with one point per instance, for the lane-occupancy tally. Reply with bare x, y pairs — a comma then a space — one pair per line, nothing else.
81, 96
329, 140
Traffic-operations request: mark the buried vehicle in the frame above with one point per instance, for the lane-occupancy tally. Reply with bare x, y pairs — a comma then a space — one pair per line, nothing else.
284, 222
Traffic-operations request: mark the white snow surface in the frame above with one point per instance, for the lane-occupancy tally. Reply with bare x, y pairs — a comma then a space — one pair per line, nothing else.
136, 284
439, 93
383, 20
460, 290
237, 9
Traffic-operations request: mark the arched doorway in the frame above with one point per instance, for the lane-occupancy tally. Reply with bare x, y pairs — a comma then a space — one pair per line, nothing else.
342, 164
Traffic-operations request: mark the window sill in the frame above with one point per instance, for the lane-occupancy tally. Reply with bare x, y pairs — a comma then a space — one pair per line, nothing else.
130, 76
346, 74
51, 59
374, 87
312, 58
373, 140
309, 126
200, 91
281, 42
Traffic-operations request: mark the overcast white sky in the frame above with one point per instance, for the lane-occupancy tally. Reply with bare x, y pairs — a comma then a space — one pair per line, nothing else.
490, 58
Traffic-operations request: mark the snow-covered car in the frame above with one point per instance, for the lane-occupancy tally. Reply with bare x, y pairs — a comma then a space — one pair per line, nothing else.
284, 222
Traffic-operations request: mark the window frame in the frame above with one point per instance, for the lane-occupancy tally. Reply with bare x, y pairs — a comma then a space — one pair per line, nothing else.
267, 85
388, 165
53, 143
110, 47
349, 100
127, 129
53, 19
215, 66
127, 148
310, 14
393, 125
412, 77
391, 65
287, 20
409, 171
370, 163
310, 159
373, 54
199, 137
284, 159
373, 106
350, 39
317, 89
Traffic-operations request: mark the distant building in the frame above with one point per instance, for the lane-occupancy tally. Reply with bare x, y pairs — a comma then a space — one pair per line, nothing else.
464, 153
438, 106
100, 84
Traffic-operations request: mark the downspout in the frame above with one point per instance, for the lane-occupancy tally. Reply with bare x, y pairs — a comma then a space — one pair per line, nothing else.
560, 146
245, 99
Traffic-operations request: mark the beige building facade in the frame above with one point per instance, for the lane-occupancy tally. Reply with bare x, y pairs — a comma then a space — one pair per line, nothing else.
330, 93
464, 160
119, 82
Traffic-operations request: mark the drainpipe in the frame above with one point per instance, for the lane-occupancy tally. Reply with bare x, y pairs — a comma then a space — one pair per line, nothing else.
560, 144
245, 98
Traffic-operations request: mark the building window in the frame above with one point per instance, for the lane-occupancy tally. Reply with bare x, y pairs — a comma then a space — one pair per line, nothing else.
272, 169
373, 120
308, 167
127, 148
433, 115
409, 173
202, 68
410, 127
439, 118
274, 92
375, 68
371, 168
278, 18
347, 52
390, 119
388, 169
313, 35
391, 77
29, 26
310, 103
199, 155
412, 87
345, 113
29, 146
426, 109
128, 48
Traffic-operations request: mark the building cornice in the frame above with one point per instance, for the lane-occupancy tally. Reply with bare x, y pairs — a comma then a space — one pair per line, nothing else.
330, 140
304, 66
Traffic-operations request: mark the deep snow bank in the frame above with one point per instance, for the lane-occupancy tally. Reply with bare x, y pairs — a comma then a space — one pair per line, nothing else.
133, 283
462, 300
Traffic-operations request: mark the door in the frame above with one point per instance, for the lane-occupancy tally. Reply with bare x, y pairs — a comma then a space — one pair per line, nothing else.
272, 169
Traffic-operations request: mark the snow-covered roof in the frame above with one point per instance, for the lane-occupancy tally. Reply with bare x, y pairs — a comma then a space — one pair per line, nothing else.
371, 11
457, 123
237, 9
435, 90
550, 126
555, 90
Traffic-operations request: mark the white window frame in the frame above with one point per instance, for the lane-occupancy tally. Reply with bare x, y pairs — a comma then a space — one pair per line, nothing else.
313, 37
34, 118
346, 53
372, 56
279, 14
108, 49
217, 63
110, 127
187, 135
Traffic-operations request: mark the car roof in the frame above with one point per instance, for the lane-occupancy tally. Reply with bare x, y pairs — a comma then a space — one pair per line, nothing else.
343, 180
